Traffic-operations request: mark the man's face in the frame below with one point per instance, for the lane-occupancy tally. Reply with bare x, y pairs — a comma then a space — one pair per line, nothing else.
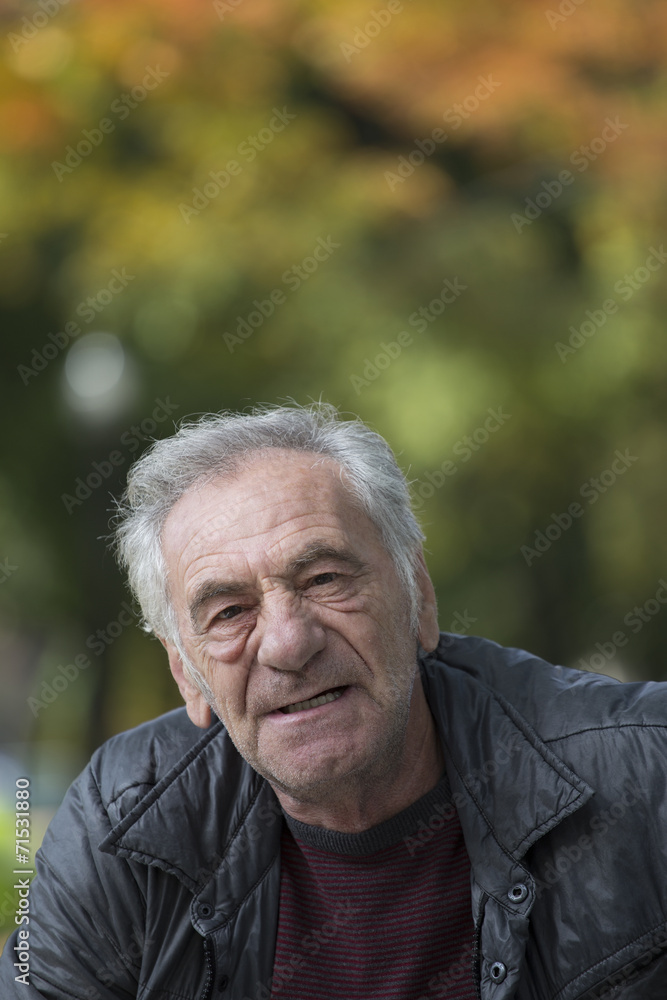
285, 594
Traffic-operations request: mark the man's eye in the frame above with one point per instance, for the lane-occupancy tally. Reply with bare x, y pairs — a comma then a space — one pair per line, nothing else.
231, 612
323, 578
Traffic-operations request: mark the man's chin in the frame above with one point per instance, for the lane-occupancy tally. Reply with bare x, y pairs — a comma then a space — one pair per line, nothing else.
312, 784
331, 779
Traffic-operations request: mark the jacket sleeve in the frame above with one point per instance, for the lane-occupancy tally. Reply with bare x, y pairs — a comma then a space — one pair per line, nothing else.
86, 913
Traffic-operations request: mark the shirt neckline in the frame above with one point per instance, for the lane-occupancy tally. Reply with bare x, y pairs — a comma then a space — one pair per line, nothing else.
386, 834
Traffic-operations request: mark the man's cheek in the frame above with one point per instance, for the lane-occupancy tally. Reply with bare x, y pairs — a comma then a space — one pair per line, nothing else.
212, 652
226, 651
236, 718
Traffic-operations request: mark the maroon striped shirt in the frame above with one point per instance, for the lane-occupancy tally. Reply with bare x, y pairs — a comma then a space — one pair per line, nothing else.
384, 914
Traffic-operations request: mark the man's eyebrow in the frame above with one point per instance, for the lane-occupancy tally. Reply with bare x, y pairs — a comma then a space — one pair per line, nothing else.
317, 551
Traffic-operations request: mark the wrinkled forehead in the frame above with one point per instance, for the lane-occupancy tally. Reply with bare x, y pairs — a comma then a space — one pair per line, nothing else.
266, 499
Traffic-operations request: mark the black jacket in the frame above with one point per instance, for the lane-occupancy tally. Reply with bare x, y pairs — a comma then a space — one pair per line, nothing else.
159, 876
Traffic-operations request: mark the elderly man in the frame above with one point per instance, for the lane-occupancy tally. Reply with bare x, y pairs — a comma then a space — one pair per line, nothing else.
354, 806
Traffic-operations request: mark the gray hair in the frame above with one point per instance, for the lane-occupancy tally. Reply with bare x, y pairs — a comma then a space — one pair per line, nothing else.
214, 445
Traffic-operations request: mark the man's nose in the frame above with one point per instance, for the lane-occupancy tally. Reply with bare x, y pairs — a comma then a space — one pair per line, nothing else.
290, 634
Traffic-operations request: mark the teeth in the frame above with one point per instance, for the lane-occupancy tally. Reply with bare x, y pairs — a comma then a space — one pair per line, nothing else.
322, 699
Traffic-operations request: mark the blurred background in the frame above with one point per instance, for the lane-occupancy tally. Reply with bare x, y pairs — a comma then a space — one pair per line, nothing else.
445, 217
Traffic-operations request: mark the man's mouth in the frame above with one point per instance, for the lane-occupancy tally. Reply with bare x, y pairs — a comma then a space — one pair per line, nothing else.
321, 699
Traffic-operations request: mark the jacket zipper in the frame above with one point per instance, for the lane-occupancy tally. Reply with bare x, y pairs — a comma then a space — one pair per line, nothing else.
208, 952
476, 971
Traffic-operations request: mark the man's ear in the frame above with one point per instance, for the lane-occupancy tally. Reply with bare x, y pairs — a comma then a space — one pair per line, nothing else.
429, 630
198, 708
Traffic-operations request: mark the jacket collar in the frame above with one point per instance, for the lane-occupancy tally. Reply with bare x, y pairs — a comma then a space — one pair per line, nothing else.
207, 813
509, 788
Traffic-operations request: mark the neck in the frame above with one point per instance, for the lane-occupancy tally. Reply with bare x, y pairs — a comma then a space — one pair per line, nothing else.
367, 800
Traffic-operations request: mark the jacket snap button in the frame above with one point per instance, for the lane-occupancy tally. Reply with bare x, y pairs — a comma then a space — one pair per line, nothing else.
205, 910
518, 893
498, 972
